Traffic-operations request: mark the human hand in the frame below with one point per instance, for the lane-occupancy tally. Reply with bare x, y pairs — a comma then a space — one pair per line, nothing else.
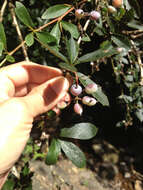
26, 90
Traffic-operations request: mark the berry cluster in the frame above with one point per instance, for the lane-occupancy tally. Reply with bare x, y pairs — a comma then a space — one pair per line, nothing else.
95, 15
77, 90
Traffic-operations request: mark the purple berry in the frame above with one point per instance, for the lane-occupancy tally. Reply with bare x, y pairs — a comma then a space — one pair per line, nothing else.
78, 108
95, 15
76, 89
79, 13
91, 88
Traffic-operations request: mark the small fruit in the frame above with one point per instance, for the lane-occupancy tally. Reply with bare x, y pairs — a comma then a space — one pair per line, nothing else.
92, 102
89, 101
79, 13
95, 15
76, 89
78, 108
112, 9
86, 100
91, 88
117, 3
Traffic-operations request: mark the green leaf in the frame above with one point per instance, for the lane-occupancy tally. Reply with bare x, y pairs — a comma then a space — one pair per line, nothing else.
56, 32
68, 67
139, 114
2, 35
135, 24
73, 153
29, 39
96, 55
1, 48
99, 95
82, 131
53, 153
9, 185
121, 41
10, 58
72, 49
46, 37
55, 11
23, 14
53, 50
71, 28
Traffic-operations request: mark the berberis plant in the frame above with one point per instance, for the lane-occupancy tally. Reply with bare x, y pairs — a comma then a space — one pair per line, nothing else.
97, 44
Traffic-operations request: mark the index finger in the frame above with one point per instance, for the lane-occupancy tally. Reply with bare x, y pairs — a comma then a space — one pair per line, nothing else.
22, 74
29, 72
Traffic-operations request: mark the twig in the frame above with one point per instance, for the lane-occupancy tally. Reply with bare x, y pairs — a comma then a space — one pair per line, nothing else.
55, 20
2, 10
84, 29
12, 52
11, 6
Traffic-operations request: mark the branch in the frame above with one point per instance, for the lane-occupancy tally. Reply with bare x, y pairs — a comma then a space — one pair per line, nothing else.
2, 10
84, 30
55, 20
15, 23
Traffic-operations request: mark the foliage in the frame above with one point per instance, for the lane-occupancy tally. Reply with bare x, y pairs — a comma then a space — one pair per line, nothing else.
107, 51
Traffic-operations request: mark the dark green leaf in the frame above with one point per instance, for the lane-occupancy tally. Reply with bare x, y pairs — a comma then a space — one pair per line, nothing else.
82, 131
71, 28
135, 24
10, 58
23, 14
121, 41
9, 185
99, 95
46, 37
29, 39
73, 153
72, 49
68, 67
53, 153
2, 35
1, 48
56, 32
55, 11
96, 55
54, 51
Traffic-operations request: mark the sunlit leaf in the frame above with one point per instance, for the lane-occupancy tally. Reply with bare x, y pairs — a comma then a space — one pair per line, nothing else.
46, 37
73, 153
96, 55
2, 35
1, 48
72, 49
55, 11
23, 14
82, 131
56, 32
29, 39
71, 28
53, 153
10, 58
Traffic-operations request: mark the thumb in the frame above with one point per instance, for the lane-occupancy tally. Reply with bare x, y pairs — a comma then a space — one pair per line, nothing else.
46, 96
